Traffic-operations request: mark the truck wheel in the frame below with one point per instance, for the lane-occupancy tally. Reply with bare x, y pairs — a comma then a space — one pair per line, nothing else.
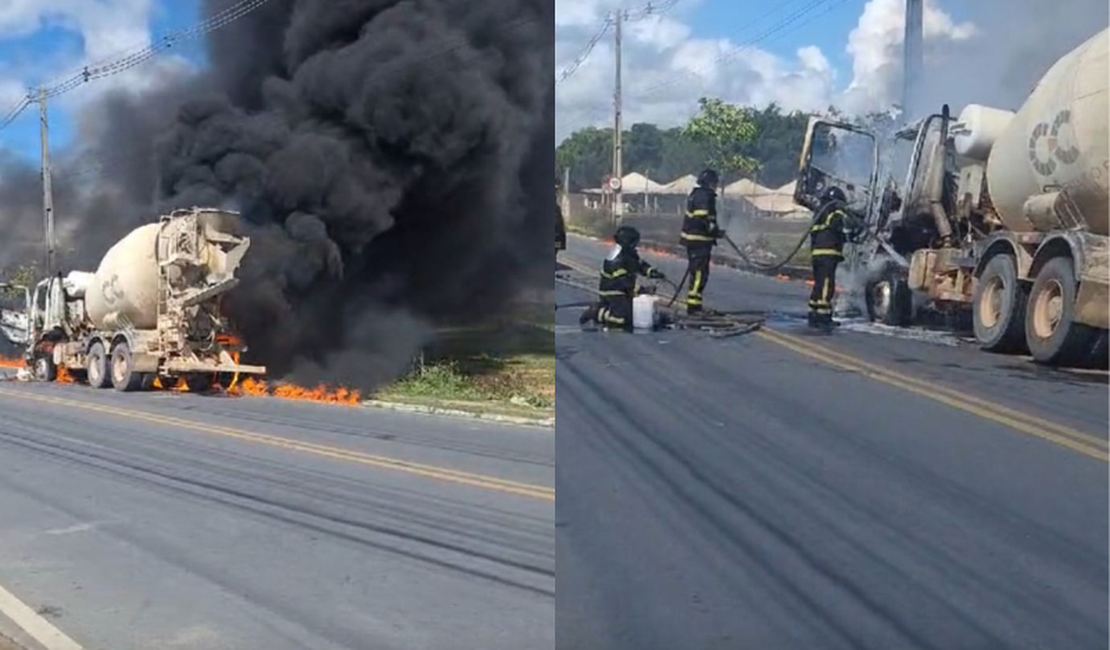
198, 383
998, 307
1050, 328
98, 367
45, 370
124, 377
889, 299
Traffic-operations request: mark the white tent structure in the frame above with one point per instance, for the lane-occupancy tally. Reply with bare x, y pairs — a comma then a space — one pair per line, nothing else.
746, 187
683, 185
637, 183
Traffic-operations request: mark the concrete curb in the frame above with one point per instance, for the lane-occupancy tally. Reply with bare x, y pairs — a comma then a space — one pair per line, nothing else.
401, 407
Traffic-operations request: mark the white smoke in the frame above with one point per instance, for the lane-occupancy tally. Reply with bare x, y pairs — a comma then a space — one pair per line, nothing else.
876, 46
993, 55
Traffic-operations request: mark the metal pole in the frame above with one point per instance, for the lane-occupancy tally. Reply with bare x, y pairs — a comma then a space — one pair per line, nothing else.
47, 188
914, 57
565, 198
618, 201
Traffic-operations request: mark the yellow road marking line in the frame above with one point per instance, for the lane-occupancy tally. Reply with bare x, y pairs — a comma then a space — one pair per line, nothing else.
939, 388
1084, 443
385, 462
1075, 440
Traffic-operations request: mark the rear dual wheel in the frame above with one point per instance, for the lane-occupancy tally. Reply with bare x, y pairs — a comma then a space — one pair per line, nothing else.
998, 307
124, 377
1012, 319
1053, 335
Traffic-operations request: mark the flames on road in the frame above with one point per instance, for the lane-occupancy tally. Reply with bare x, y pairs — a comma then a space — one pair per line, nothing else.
251, 387
248, 387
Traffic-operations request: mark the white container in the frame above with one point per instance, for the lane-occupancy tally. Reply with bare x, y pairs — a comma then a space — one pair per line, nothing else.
644, 315
978, 128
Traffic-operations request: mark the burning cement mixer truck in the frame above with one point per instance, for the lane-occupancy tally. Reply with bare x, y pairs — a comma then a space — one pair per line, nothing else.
151, 310
995, 217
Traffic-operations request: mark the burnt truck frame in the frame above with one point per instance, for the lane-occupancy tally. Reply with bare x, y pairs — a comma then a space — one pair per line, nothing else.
190, 341
933, 238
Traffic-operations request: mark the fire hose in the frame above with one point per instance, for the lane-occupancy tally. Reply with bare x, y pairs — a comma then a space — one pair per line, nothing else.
761, 267
747, 260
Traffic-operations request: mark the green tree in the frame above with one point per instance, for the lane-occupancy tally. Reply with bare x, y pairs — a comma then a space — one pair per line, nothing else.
25, 275
588, 155
727, 130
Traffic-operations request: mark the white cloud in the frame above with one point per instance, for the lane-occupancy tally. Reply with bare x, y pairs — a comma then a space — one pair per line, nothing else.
666, 66
107, 29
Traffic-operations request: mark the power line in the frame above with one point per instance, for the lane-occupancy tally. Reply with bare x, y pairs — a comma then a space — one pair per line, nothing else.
127, 60
642, 13
585, 54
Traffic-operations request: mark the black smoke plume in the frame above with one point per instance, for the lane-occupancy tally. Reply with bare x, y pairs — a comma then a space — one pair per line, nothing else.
392, 157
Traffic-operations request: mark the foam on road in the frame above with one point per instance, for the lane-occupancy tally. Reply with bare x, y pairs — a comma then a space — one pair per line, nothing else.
179, 521
736, 493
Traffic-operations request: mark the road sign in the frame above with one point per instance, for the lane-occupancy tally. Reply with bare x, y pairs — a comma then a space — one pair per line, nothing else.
614, 183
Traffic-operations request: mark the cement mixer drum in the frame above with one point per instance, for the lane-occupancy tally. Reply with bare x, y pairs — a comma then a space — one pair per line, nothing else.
187, 251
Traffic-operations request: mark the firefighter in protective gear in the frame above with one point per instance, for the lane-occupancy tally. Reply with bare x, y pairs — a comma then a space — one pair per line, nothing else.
826, 240
700, 233
618, 282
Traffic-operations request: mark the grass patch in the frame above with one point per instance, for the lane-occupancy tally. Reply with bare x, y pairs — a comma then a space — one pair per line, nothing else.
506, 368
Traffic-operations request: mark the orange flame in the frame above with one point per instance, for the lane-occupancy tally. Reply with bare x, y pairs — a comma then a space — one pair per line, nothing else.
6, 362
64, 377
258, 388
180, 386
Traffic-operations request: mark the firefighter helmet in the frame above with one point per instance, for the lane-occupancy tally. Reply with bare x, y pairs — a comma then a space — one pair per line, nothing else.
709, 178
627, 237
833, 193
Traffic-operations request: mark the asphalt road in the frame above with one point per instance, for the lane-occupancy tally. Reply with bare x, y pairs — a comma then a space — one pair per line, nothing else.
864, 489
180, 521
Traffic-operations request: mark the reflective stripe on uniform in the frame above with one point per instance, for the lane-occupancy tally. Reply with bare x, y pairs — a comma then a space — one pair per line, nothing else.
615, 274
696, 237
607, 316
697, 213
825, 252
824, 223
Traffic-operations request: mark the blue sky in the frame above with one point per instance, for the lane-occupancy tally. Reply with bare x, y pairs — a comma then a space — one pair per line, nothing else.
734, 20
56, 49
792, 52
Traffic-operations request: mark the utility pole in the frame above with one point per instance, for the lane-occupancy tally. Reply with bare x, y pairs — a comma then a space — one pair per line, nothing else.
618, 200
914, 57
47, 188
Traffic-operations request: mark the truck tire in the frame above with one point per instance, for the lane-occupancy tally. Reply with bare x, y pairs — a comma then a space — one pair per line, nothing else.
1050, 328
124, 377
889, 299
198, 382
97, 367
45, 370
998, 307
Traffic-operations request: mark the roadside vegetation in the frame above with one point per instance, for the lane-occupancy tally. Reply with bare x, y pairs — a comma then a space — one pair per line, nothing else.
503, 368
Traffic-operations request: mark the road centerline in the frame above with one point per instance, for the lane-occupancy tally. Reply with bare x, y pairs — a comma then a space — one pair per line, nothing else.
337, 453
1013, 419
